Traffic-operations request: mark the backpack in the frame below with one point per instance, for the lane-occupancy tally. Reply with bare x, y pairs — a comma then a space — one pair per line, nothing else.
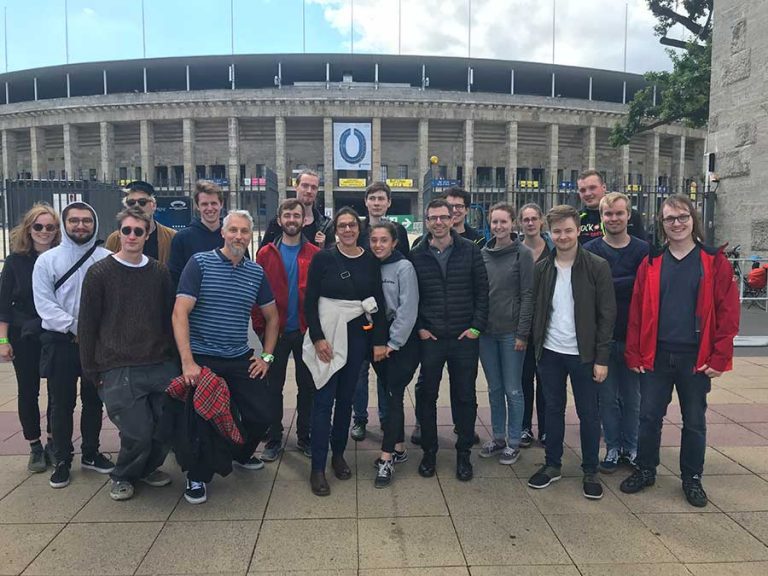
758, 277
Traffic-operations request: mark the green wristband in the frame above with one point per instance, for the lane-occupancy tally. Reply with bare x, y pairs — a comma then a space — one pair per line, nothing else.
4, 341
474, 331
268, 358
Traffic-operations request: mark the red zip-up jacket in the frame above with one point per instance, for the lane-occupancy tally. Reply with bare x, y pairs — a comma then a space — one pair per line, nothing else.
270, 259
717, 312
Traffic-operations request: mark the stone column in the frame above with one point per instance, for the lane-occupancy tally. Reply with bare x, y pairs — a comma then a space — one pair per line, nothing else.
280, 156
511, 157
651, 161
590, 148
37, 152
376, 149
678, 163
10, 156
553, 154
71, 148
147, 145
624, 169
329, 177
107, 138
469, 154
188, 151
233, 164
423, 163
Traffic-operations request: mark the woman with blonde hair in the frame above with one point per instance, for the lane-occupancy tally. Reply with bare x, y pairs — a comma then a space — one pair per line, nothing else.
39, 230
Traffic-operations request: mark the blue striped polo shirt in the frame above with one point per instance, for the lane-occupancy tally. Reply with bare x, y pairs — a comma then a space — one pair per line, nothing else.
224, 295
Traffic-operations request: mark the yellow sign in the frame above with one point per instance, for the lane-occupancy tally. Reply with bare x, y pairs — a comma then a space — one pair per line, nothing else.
529, 183
352, 182
634, 188
400, 182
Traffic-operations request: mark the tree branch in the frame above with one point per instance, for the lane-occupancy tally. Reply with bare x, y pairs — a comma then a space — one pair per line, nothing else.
664, 12
672, 42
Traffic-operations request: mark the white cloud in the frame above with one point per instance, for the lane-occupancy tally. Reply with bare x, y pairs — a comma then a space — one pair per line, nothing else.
588, 32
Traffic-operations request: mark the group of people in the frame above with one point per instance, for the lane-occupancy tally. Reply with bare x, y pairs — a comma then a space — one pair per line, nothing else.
159, 315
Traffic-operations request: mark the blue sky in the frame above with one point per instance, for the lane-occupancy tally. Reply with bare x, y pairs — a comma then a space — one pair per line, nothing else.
588, 32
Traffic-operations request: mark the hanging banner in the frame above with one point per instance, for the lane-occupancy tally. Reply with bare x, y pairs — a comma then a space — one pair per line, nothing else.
351, 146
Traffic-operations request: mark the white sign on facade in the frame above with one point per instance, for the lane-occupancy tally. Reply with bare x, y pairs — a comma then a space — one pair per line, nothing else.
351, 146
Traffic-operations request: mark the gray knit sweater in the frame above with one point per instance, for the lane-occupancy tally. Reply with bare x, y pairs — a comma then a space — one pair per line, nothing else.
510, 280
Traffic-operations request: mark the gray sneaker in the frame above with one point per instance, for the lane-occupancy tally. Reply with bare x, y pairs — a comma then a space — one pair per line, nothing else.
492, 447
271, 451
509, 456
121, 490
157, 479
37, 461
252, 463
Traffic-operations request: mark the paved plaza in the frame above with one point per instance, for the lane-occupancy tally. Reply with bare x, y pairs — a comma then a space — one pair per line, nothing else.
268, 521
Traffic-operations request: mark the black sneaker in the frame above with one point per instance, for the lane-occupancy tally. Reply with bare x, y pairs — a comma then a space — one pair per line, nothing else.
271, 451
60, 476
195, 493
399, 457
544, 477
358, 432
305, 447
384, 471
98, 463
591, 487
37, 461
427, 465
416, 435
639, 479
526, 439
694, 492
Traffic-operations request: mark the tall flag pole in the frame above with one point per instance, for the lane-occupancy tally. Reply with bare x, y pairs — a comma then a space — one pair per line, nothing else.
304, 25
143, 33
352, 26
626, 27
469, 31
554, 11
66, 32
232, 25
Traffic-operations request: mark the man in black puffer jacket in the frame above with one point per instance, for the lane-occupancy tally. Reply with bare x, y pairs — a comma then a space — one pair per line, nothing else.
453, 310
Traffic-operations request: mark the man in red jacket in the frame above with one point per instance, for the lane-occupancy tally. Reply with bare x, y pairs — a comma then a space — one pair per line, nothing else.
286, 264
682, 321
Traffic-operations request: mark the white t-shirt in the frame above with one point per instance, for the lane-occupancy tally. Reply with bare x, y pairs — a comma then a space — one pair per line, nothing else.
561, 331
144, 261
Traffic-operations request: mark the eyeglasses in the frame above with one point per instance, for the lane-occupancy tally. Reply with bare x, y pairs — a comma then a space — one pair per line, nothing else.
440, 218
138, 232
457, 206
683, 218
78, 221
47, 227
346, 225
140, 201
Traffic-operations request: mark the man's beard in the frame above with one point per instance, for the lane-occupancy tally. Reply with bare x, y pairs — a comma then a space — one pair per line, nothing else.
237, 251
81, 241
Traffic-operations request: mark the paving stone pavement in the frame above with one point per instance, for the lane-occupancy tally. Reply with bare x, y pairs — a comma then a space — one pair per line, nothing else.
268, 522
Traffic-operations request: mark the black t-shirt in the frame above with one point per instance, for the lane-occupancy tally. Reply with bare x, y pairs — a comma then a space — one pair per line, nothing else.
150, 246
591, 225
678, 294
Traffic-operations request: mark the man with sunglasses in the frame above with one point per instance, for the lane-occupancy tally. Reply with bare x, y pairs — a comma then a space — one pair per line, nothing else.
126, 347
683, 318
453, 310
58, 305
158, 244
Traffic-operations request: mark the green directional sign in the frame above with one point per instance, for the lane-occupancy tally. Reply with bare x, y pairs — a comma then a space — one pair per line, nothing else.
405, 219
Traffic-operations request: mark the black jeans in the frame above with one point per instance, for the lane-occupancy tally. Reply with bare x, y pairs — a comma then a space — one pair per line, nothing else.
554, 369
26, 364
394, 374
673, 370
462, 358
134, 398
64, 371
530, 371
287, 343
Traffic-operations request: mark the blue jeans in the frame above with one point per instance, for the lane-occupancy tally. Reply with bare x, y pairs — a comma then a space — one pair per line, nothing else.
503, 367
554, 369
674, 370
620, 403
360, 405
336, 398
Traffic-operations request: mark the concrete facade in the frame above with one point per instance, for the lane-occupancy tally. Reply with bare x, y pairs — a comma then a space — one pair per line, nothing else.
738, 122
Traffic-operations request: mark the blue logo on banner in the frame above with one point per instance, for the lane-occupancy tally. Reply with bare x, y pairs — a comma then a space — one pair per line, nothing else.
349, 158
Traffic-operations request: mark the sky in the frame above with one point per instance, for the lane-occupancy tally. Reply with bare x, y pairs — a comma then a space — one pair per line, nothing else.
588, 33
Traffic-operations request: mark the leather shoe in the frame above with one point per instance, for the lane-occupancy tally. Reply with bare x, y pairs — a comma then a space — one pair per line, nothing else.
464, 468
318, 483
427, 466
340, 467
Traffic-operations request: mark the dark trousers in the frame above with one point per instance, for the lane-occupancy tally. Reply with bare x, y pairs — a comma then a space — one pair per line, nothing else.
360, 404
134, 398
530, 373
672, 370
336, 398
251, 397
290, 342
462, 358
554, 369
63, 374
394, 374
26, 364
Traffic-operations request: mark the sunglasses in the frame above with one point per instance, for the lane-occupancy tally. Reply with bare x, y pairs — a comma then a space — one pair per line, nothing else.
140, 201
138, 232
46, 227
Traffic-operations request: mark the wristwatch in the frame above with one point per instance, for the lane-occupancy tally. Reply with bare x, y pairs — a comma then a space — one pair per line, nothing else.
268, 358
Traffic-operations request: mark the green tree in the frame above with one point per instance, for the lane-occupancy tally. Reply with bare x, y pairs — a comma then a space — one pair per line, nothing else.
682, 95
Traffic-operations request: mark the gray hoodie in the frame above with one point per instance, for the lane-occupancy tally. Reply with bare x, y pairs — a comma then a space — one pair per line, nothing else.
401, 293
510, 280
60, 309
